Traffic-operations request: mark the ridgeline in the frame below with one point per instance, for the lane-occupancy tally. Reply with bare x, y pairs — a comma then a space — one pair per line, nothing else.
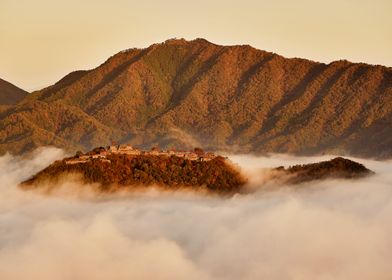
127, 169
195, 93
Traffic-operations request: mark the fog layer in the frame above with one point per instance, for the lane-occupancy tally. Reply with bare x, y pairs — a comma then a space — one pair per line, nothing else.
333, 229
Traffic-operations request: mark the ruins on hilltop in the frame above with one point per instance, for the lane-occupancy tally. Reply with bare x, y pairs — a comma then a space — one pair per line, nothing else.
101, 153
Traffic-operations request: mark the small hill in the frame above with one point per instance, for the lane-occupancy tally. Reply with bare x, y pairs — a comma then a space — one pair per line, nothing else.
339, 168
195, 93
115, 172
10, 94
119, 168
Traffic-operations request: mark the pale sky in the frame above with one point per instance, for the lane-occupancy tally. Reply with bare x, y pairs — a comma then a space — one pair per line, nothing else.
43, 40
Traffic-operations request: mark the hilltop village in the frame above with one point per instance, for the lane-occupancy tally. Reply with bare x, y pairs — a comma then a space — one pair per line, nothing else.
123, 166
102, 153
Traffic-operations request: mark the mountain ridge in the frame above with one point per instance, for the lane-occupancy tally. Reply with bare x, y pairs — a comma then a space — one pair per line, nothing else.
195, 93
10, 94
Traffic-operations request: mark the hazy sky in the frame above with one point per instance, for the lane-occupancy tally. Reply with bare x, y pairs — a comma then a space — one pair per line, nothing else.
43, 40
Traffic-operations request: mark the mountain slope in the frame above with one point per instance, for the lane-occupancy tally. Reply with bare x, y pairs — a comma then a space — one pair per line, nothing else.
10, 94
195, 93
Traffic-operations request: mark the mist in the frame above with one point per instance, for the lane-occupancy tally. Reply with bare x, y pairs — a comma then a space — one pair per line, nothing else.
334, 229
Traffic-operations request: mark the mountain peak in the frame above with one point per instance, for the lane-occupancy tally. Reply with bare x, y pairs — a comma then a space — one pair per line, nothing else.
233, 98
10, 94
176, 41
183, 41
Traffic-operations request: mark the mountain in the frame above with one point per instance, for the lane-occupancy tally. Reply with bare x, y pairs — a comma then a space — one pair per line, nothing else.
114, 169
195, 93
337, 168
10, 94
121, 171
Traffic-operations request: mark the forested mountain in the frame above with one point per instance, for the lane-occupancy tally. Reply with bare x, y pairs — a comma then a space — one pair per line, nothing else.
10, 94
195, 93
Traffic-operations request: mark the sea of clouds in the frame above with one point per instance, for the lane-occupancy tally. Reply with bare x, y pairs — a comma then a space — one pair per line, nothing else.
335, 229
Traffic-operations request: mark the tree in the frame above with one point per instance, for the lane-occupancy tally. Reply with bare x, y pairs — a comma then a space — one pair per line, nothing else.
199, 151
78, 154
155, 149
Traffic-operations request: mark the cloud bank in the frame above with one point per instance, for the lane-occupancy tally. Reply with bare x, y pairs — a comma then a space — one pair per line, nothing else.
329, 230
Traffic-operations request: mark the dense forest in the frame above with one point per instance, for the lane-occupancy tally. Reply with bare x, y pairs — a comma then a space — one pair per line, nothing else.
336, 168
123, 171
181, 94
